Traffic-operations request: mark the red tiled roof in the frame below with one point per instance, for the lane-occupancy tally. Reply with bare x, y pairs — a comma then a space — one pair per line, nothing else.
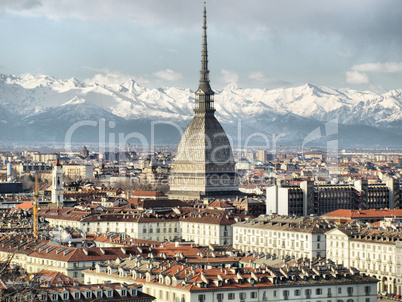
220, 204
53, 278
147, 193
25, 205
362, 214
69, 254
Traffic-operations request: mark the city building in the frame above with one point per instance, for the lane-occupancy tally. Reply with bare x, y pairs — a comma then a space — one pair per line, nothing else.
84, 152
77, 292
204, 165
371, 251
302, 281
202, 226
36, 255
31, 167
279, 236
309, 198
44, 157
208, 227
261, 155
75, 172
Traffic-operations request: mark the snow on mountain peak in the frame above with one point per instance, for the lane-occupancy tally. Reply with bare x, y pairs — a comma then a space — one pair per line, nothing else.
232, 86
26, 94
75, 101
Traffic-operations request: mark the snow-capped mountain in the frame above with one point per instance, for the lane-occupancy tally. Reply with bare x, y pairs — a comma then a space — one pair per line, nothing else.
49, 107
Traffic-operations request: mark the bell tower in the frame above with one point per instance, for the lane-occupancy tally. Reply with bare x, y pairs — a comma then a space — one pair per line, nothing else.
57, 184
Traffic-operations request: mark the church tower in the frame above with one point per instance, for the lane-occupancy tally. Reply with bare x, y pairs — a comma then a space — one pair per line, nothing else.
57, 184
204, 164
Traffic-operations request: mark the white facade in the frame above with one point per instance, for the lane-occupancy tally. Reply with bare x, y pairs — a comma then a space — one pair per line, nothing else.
57, 184
205, 233
204, 230
75, 172
168, 288
276, 236
375, 257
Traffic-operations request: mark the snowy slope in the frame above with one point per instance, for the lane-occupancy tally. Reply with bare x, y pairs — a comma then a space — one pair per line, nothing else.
30, 101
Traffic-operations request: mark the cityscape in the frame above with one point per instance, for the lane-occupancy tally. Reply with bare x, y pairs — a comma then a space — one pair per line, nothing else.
121, 188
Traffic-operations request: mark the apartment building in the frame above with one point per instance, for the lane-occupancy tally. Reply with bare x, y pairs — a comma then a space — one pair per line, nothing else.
184, 283
310, 198
75, 172
37, 255
282, 236
101, 292
199, 225
371, 251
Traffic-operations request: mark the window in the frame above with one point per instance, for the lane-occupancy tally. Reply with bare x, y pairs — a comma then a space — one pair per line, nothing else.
231, 296
242, 296
297, 292
109, 293
339, 290
286, 293
274, 293
253, 295
201, 298
88, 294
318, 291
76, 295
99, 293
367, 290
65, 296
350, 291
219, 297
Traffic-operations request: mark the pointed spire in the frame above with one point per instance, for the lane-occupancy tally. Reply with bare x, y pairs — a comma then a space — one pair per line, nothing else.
58, 162
204, 94
204, 55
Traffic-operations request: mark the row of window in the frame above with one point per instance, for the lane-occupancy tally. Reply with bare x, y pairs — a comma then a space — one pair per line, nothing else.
232, 296
270, 233
285, 294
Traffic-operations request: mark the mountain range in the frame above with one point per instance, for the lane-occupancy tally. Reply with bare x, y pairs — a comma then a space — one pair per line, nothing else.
45, 110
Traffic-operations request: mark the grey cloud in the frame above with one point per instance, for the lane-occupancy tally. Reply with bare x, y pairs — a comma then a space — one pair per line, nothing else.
19, 5
363, 21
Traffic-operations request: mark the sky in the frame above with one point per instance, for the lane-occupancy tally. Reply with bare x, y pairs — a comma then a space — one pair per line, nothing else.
254, 44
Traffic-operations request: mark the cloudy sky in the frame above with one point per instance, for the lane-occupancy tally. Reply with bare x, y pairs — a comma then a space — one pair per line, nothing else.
256, 43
